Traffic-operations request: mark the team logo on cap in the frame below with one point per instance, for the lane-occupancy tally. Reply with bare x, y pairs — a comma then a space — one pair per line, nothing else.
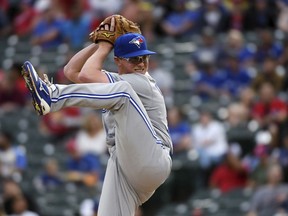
137, 41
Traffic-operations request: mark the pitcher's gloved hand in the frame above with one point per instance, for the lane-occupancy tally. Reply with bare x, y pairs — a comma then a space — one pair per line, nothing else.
113, 27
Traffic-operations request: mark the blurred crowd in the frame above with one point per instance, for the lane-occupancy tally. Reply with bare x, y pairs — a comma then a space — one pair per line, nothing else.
50, 22
236, 124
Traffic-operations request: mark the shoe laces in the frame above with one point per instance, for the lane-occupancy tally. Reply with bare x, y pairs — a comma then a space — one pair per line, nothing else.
47, 81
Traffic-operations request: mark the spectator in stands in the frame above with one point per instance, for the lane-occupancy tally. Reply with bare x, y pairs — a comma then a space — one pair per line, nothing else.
210, 79
13, 160
270, 112
243, 4
207, 46
5, 27
238, 115
247, 99
11, 8
161, 9
101, 9
179, 130
213, 14
234, 44
267, 46
66, 7
105, 8
77, 27
91, 138
271, 198
237, 127
60, 124
11, 97
19, 206
164, 79
88, 207
208, 53
259, 15
24, 21
236, 12
282, 6
131, 9
140, 12
180, 22
147, 22
259, 166
230, 174
237, 77
47, 32
12, 190
194, 73
50, 178
268, 74
82, 169
209, 139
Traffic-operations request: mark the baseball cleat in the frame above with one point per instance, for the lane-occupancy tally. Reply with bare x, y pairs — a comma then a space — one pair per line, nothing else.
38, 88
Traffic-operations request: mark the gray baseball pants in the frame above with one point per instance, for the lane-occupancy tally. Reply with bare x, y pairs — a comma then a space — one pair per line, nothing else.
138, 162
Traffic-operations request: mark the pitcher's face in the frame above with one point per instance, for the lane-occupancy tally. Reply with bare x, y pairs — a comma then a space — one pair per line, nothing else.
138, 64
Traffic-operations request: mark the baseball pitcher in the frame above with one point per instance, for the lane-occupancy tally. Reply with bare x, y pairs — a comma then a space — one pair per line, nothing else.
134, 112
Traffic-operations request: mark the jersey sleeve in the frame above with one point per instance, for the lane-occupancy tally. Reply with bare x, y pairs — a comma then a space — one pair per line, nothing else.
113, 77
135, 80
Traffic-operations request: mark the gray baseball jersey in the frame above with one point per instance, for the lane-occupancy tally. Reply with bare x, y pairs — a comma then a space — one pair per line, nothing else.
152, 99
137, 135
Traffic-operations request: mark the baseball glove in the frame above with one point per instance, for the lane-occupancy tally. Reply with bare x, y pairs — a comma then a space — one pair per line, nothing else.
110, 29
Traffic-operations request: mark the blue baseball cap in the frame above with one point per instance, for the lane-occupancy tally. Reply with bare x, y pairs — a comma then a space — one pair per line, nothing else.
131, 45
